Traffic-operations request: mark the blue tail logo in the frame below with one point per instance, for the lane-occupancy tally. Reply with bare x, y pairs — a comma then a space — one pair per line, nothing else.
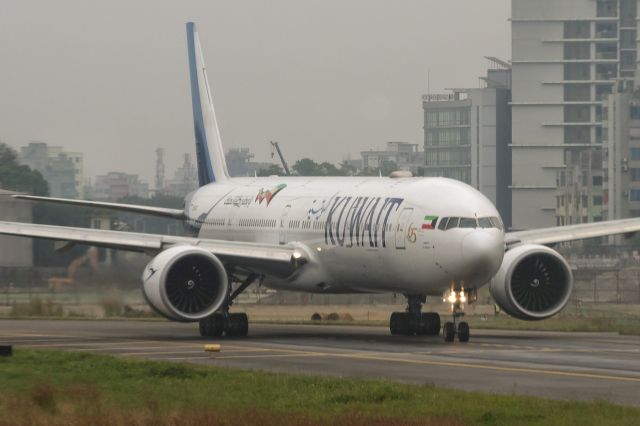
211, 163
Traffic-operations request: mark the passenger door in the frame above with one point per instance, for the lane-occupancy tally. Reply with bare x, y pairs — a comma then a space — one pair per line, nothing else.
283, 224
402, 225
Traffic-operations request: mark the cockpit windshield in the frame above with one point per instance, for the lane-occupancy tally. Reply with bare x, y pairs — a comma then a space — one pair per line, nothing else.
453, 222
447, 223
468, 222
485, 222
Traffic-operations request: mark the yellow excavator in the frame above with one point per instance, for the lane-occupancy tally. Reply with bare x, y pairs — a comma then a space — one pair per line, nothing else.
69, 282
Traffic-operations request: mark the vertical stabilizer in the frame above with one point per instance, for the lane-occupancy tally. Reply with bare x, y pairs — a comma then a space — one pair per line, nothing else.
212, 166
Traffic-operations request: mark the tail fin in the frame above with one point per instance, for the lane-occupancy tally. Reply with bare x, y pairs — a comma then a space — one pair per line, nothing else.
212, 165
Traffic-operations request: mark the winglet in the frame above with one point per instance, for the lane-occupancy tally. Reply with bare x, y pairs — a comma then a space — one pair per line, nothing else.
212, 166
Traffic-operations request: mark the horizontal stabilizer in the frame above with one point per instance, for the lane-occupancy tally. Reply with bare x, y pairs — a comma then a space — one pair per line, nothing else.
133, 208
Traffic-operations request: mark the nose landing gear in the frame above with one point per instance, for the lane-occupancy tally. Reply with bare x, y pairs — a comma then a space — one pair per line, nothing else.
414, 322
456, 327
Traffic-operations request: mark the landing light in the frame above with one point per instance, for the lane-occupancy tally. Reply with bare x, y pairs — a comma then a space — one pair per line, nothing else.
453, 296
297, 255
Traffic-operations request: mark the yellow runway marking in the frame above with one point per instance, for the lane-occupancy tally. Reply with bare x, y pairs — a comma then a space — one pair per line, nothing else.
135, 349
492, 367
4, 335
139, 348
281, 353
66, 343
556, 349
500, 345
261, 349
272, 355
159, 353
32, 341
309, 354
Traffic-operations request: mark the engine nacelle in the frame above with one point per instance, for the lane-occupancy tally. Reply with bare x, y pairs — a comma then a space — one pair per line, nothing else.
533, 283
185, 283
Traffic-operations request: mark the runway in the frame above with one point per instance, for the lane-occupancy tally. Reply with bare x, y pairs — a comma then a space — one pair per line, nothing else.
581, 366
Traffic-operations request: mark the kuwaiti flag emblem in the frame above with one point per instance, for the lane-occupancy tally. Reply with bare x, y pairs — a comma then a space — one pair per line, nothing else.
430, 222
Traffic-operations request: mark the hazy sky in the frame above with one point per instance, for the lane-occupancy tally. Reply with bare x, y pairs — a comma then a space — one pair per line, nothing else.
325, 78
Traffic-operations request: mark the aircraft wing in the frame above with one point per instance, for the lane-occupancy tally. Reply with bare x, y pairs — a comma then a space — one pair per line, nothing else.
262, 258
153, 211
562, 234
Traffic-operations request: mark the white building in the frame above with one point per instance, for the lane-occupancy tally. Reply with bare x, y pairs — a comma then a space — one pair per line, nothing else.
63, 170
185, 179
566, 57
398, 155
621, 123
468, 133
116, 185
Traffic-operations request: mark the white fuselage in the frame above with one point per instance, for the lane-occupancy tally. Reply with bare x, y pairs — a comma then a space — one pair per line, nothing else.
360, 234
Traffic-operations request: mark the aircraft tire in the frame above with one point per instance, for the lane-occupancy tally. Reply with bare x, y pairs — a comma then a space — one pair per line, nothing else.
212, 326
463, 332
430, 324
238, 325
449, 331
399, 324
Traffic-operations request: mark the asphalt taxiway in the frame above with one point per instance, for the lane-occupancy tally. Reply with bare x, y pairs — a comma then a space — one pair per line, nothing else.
582, 366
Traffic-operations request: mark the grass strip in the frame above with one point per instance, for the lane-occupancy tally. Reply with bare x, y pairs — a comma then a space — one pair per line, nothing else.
40, 387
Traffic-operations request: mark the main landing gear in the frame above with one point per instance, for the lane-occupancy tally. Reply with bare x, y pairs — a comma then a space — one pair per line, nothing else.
224, 322
413, 322
456, 327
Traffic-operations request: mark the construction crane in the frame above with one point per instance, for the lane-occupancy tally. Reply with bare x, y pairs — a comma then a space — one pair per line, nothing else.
284, 163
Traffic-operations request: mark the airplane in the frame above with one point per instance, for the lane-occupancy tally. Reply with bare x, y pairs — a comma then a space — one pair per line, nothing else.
420, 237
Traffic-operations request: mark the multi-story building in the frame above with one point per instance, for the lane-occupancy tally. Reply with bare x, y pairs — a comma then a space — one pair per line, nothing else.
116, 185
566, 57
63, 170
579, 192
468, 133
398, 155
185, 179
621, 140
240, 163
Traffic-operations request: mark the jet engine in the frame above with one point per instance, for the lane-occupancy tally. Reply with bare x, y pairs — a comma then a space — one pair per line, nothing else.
185, 283
533, 283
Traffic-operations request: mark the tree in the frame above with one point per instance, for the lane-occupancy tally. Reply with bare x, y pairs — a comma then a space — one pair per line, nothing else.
272, 170
7, 155
347, 169
16, 177
328, 169
306, 167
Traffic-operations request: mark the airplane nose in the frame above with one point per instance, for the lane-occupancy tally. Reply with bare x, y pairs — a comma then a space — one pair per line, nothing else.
482, 248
